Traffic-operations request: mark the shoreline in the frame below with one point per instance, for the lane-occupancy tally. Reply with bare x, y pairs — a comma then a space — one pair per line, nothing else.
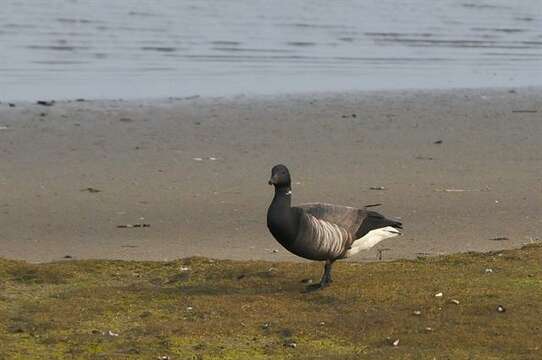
274, 96
74, 171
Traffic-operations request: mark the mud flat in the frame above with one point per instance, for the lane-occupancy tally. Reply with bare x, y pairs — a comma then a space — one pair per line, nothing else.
167, 179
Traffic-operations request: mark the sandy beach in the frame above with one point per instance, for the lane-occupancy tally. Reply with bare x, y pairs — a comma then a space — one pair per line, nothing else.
461, 168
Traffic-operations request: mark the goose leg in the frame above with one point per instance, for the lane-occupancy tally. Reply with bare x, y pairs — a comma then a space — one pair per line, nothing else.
326, 278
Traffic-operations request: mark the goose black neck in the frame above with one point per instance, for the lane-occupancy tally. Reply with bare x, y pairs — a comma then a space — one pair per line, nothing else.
281, 218
283, 193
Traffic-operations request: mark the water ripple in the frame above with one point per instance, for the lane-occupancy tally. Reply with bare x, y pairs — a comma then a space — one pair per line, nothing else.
105, 48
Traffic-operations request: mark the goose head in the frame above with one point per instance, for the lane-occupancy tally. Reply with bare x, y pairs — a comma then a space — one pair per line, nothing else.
280, 176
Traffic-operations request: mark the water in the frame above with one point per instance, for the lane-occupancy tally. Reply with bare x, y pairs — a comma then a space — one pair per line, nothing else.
140, 49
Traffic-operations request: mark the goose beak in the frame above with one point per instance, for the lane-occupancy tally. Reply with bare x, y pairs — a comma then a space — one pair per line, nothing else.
271, 181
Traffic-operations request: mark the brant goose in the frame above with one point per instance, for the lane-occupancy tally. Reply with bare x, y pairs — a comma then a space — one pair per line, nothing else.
323, 232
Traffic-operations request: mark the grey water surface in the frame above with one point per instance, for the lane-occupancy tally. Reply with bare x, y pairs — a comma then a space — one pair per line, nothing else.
145, 49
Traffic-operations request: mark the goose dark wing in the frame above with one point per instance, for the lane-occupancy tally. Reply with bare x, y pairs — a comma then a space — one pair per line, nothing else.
373, 221
358, 222
348, 218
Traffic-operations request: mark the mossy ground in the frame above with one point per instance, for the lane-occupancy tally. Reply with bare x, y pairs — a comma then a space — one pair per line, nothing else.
198, 308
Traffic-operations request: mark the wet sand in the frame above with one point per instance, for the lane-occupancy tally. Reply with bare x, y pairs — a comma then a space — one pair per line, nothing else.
196, 170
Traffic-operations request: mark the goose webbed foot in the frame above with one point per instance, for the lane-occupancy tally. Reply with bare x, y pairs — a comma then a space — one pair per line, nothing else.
313, 287
318, 286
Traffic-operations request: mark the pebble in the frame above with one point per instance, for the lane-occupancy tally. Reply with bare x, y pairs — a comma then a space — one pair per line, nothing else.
501, 309
395, 343
438, 294
45, 102
416, 312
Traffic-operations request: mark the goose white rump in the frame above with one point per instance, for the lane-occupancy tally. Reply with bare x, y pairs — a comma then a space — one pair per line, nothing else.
372, 238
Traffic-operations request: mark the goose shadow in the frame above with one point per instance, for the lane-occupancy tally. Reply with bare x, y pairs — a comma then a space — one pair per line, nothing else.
224, 284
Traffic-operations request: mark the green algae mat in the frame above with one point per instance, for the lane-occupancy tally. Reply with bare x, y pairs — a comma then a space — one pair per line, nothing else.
465, 306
